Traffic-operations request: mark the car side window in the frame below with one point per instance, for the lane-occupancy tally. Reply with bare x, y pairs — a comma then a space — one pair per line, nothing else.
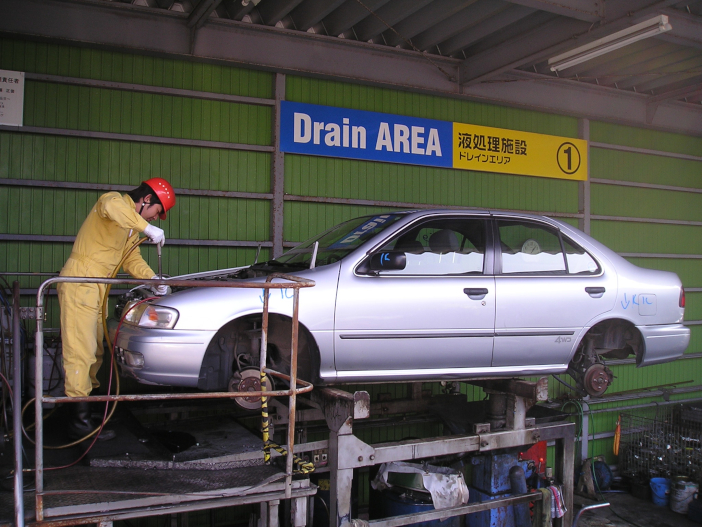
579, 261
528, 247
441, 247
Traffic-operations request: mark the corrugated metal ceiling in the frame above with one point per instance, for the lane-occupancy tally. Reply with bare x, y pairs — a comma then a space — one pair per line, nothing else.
495, 36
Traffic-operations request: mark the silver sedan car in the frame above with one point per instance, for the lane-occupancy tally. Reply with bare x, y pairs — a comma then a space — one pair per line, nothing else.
418, 296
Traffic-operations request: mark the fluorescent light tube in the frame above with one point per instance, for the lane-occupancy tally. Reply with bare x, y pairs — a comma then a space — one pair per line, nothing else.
650, 28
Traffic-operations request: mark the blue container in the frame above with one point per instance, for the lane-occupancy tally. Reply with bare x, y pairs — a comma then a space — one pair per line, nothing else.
660, 491
398, 505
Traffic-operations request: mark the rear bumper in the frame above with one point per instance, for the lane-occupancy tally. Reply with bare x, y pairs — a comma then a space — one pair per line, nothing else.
663, 343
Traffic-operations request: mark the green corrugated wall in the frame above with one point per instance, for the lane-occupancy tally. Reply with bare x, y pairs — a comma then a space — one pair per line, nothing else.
55, 211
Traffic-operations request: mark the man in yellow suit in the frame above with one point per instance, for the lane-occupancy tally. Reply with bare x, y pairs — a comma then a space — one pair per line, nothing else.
110, 230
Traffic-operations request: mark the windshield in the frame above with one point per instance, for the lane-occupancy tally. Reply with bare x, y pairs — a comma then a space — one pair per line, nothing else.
339, 241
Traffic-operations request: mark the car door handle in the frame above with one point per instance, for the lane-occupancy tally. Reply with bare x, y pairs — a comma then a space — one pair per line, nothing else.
477, 292
592, 291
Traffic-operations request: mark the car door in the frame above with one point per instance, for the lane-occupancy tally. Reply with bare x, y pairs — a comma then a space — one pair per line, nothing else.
434, 316
548, 288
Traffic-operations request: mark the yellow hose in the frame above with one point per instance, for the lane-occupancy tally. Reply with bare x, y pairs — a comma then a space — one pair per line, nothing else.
112, 355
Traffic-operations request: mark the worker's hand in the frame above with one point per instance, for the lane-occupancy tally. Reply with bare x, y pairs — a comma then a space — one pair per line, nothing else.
160, 290
157, 235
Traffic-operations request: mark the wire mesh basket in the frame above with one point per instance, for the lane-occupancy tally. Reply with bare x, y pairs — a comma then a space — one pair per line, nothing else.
662, 442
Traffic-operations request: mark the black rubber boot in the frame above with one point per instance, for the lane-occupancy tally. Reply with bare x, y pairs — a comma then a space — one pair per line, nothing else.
80, 423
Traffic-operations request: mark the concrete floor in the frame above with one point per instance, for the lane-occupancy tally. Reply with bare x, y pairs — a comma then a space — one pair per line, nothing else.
625, 511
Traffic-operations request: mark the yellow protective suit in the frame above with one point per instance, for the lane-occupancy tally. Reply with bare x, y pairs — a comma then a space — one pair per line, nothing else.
109, 231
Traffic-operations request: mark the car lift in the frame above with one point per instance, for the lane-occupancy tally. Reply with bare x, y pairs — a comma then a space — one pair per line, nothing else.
506, 426
182, 485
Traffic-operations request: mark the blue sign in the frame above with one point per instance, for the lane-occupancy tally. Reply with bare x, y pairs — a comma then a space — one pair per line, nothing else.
356, 134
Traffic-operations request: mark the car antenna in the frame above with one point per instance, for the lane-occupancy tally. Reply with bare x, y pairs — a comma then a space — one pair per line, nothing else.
258, 251
314, 254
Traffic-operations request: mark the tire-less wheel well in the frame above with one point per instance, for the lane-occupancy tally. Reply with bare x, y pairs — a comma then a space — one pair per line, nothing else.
609, 339
236, 347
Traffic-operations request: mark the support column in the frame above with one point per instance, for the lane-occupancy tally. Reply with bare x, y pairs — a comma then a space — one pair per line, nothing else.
565, 472
340, 409
277, 171
585, 434
269, 514
584, 186
340, 481
299, 512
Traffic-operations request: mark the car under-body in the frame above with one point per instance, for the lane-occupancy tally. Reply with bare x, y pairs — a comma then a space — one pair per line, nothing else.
477, 308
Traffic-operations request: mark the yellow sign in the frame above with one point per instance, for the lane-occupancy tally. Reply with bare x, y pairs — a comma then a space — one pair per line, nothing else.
489, 149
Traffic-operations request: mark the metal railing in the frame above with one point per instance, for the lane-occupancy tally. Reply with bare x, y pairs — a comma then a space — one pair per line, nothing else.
290, 282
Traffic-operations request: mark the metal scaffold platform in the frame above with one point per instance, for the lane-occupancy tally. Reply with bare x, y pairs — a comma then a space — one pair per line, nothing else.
172, 467
182, 463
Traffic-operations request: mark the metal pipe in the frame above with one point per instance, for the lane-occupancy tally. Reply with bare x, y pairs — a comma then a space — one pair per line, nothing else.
17, 404
38, 407
587, 508
263, 357
293, 400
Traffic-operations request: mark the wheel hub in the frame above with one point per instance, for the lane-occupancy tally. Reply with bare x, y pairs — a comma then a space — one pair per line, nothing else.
248, 380
597, 379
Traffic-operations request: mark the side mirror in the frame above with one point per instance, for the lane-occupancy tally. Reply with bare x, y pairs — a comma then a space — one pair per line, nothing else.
388, 261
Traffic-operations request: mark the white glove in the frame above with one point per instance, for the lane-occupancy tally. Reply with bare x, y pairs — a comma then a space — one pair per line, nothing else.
160, 290
157, 235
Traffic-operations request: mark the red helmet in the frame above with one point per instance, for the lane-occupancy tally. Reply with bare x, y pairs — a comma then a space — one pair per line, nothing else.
165, 193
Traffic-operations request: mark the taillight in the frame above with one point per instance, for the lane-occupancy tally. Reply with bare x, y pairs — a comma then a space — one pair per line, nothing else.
682, 297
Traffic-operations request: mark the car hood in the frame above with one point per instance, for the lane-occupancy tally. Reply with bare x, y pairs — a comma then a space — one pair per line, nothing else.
209, 308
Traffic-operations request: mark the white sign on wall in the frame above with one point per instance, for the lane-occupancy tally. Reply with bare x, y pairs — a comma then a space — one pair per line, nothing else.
11, 97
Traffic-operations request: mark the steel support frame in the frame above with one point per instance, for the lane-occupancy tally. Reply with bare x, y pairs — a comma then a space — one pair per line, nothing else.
347, 452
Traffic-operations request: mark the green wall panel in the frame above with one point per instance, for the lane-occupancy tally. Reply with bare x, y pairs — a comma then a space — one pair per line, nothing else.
203, 218
631, 202
617, 134
74, 159
344, 178
648, 238
70, 61
385, 100
693, 306
689, 270
115, 111
644, 168
695, 338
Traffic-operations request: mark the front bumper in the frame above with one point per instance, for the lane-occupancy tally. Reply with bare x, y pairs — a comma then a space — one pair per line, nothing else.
663, 343
171, 357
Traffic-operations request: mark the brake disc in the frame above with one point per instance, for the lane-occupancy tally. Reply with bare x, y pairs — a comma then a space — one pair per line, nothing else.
597, 379
249, 380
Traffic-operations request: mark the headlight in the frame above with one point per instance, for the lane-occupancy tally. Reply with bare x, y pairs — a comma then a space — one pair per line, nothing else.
152, 316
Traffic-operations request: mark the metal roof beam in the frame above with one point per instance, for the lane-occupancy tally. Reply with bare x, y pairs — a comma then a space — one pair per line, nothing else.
489, 18
550, 38
389, 14
107, 25
312, 12
683, 62
686, 91
671, 80
350, 14
236, 9
425, 18
456, 24
273, 12
531, 46
687, 29
586, 10
202, 10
